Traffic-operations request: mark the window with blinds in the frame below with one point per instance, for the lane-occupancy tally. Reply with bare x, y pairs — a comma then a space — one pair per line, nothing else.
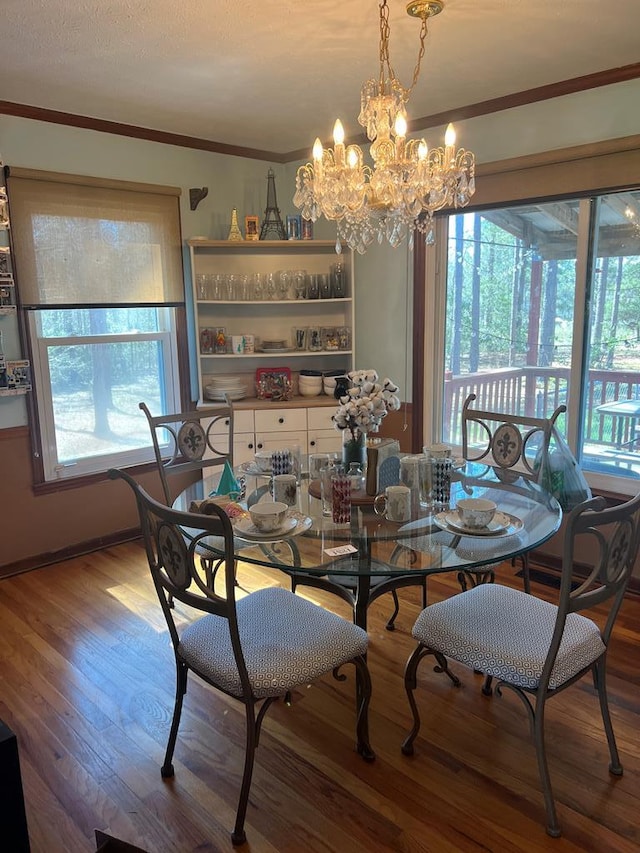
100, 286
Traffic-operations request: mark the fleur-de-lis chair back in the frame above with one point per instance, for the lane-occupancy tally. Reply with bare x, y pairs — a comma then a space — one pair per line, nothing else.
533, 647
512, 443
506, 440
257, 648
191, 441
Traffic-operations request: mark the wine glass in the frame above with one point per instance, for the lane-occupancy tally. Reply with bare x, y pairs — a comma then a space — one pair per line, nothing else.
299, 283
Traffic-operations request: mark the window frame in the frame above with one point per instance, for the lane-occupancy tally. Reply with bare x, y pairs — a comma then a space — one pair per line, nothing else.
580, 172
55, 470
30, 342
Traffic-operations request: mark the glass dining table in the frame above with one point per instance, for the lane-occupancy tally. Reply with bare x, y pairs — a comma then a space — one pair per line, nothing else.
370, 550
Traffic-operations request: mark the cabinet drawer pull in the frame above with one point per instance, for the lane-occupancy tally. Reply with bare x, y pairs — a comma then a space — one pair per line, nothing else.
280, 420
250, 445
259, 445
312, 443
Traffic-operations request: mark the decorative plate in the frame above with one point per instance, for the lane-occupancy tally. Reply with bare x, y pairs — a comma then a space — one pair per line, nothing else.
252, 470
502, 524
295, 524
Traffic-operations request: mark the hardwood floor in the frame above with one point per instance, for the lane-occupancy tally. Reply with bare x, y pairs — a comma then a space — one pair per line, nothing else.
87, 683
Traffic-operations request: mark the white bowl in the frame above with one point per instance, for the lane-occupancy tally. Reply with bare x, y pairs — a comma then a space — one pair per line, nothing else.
476, 512
268, 516
309, 392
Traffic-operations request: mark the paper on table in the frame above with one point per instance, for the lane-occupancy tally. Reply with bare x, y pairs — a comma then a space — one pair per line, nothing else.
340, 551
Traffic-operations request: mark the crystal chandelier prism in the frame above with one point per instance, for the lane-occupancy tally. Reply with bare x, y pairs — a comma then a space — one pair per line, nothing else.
408, 182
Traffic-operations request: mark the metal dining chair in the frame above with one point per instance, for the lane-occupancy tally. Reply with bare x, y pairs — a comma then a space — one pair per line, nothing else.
511, 443
534, 648
199, 440
255, 649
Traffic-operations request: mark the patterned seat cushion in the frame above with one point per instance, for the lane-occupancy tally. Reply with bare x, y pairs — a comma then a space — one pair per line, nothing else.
286, 641
506, 633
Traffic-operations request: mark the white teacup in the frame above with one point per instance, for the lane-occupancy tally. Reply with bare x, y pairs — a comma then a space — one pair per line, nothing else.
437, 451
263, 460
476, 512
268, 516
394, 503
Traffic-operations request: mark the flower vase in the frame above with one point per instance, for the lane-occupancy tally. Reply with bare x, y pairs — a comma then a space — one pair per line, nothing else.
354, 449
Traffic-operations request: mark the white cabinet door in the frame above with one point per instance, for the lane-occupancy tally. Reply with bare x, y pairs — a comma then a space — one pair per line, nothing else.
281, 440
244, 447
324, 441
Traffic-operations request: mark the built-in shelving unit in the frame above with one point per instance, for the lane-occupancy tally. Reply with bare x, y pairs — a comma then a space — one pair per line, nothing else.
276, 317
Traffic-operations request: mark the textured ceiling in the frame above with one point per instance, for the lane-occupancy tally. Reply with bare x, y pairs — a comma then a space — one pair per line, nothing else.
273, 75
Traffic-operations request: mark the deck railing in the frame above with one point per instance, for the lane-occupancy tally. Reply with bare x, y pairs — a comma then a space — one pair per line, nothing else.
537, 391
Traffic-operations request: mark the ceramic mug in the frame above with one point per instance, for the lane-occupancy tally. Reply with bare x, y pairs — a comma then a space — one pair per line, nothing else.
394, 503
285, 488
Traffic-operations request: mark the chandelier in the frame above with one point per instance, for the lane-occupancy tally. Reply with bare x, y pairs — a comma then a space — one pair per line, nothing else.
408, 182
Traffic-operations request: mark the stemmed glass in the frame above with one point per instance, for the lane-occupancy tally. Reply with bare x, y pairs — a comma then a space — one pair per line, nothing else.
299, 283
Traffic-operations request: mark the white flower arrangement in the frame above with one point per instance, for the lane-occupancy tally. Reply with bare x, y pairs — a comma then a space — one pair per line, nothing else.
363, 407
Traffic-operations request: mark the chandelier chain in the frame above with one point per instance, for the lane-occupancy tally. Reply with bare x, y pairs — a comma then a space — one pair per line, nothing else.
385, 34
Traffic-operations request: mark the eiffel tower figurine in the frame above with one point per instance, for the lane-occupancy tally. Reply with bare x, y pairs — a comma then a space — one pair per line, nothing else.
235, 234
272, 221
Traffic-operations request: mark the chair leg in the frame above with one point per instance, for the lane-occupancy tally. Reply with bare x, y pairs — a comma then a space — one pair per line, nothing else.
553, 827
390, 626
410, 684
599, 675
487, 690
363, 745
526, 580
238, 836
166, 771
475, 578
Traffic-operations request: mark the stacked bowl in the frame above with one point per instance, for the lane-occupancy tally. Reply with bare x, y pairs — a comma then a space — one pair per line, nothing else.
310, 383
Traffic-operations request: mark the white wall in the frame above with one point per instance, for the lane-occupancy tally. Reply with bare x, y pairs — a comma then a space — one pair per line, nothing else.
382, 273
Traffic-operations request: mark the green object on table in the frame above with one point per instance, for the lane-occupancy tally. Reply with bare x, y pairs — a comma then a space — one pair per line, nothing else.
228, 484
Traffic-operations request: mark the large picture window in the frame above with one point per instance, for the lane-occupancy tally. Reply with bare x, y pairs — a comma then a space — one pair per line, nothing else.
100, 285
543, 308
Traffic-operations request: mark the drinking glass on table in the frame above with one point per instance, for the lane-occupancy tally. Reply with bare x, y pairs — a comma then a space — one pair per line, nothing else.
317, 461
341, 498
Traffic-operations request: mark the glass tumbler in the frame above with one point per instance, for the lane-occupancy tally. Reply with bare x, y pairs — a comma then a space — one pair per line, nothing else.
326, 489
324, 284
341, 498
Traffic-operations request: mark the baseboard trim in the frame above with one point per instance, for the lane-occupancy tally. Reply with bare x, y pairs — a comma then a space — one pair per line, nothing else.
39, 561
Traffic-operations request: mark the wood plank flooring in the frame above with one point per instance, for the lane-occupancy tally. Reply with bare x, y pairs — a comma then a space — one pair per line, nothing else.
87, 685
